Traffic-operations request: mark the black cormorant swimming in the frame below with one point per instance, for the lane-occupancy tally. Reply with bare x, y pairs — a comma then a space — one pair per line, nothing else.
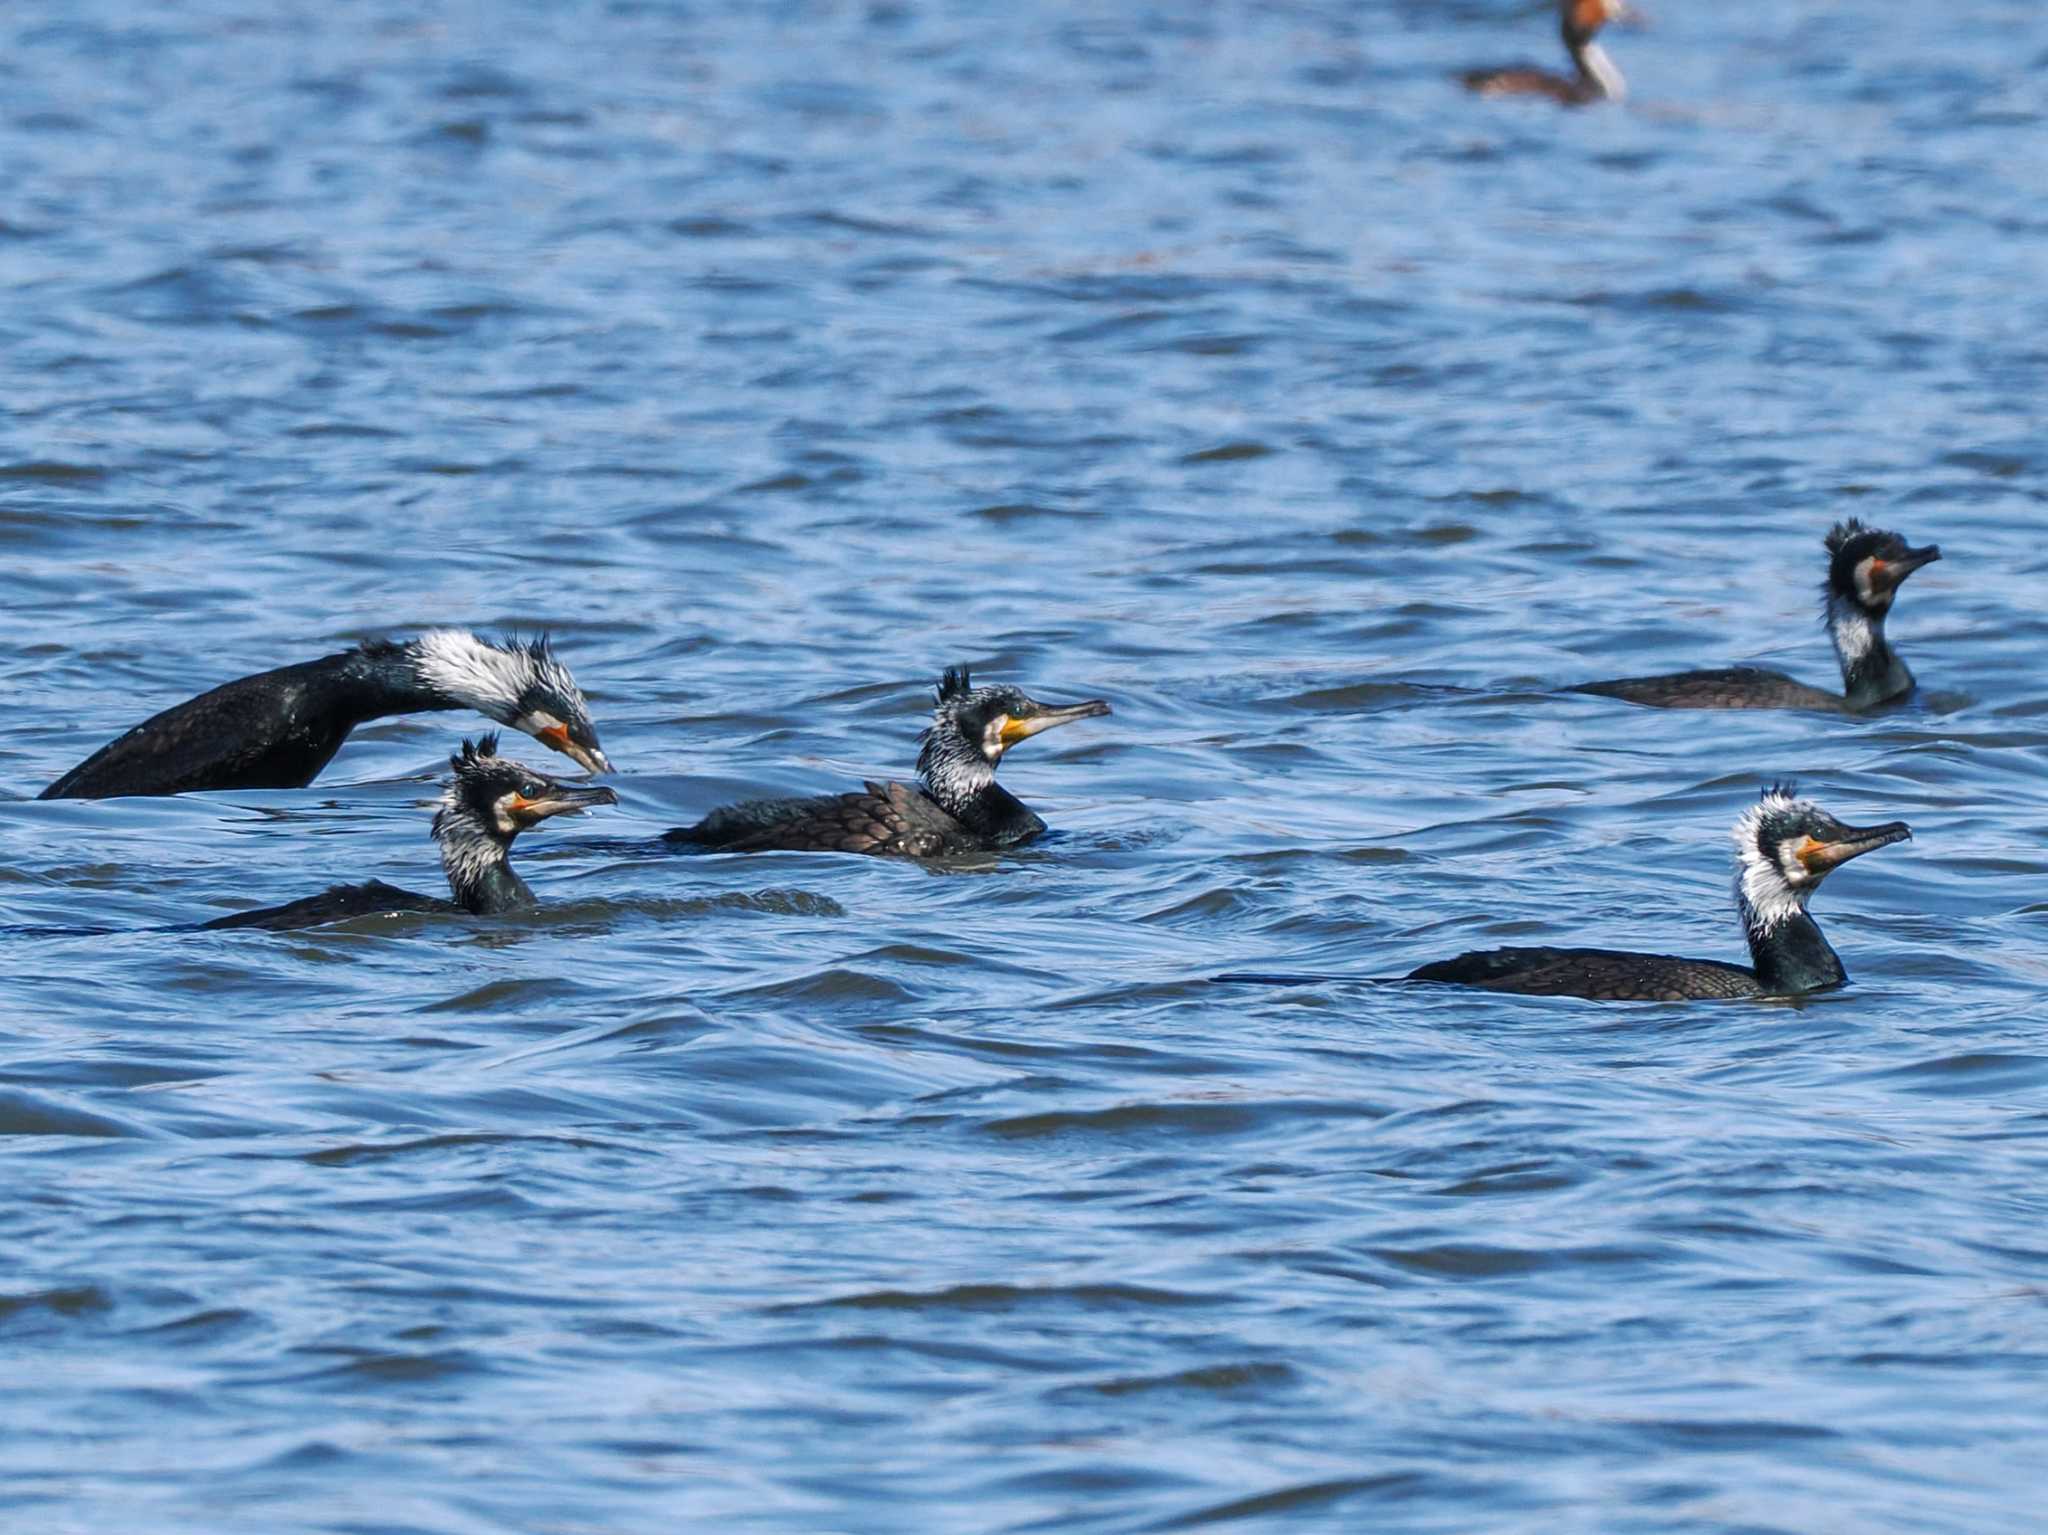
488, 802
1594, 76
1784, 848
1866, 567
955, 807
278, 729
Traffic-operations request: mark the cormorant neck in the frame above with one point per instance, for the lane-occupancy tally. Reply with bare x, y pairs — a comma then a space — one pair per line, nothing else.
952, 768
479, 867
444, 669
999, 818
962, 782
1871, 670
1597, 71
1790, 955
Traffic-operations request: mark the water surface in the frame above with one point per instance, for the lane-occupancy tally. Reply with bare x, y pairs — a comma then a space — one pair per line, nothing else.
1220, 361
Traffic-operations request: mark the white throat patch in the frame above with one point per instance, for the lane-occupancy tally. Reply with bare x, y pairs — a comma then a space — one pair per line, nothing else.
992, 736
1761, 885
1603, 71
501, 808
1854, 638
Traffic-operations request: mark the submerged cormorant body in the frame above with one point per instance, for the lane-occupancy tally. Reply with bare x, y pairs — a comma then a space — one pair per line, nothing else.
1866, 567
1784, 848
1594, 76
955, 807
278, 729
488, 803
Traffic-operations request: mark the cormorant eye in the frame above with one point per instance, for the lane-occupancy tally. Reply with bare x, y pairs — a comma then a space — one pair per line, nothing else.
530, 790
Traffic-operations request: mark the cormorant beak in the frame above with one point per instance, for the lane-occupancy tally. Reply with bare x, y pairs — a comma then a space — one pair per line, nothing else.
560, 799
1048, 715
590, 758
1850, 842
1885, 575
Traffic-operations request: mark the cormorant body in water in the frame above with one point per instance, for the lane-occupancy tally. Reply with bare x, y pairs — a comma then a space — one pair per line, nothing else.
1866, 567
1594, 77
278, 729
1784, 848
955, 807
488, 802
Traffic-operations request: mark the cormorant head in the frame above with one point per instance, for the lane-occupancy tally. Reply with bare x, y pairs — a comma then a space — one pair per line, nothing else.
1580, 19
972, 727
492, 799
1785, 846
516, 682
1866, 567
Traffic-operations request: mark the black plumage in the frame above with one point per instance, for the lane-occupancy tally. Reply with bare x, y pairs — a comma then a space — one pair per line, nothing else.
488, 802
888, 817
1603, 975
955, 807
1784, 848
1866, 567
278, 729
1593, 78
339, 903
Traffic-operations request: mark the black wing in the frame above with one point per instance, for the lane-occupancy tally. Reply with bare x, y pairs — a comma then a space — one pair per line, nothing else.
1602, 975
1735, 687
335, 905
275, 730
891, 818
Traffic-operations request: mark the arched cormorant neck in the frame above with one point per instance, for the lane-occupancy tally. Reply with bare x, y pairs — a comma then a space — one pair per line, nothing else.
442, 669
1791, 956
1872, 671
386, 680
1598, 73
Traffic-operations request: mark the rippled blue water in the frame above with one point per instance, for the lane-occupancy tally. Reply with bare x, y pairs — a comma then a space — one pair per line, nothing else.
1220, 360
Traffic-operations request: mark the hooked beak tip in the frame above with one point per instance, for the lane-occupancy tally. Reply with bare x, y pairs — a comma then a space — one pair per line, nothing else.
1867, 841
574, 801
1915, 558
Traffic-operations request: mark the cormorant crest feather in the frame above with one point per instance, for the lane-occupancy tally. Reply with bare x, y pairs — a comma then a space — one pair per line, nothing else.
1842, 532
472, 757
954, 684
505, 679
1762, 892
549, 677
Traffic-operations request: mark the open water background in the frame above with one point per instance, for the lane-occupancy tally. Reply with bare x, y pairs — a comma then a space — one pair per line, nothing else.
1225, 361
